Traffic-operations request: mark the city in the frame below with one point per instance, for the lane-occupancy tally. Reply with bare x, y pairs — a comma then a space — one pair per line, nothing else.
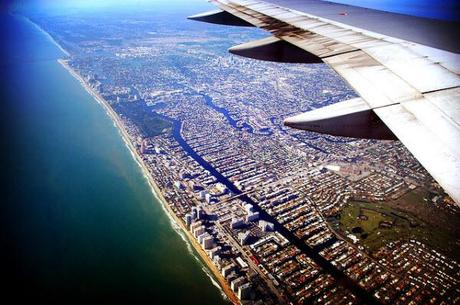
282, 216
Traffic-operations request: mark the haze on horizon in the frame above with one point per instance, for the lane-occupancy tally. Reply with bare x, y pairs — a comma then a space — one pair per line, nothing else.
447, 10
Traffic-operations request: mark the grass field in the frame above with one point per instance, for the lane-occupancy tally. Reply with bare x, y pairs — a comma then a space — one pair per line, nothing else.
369, 216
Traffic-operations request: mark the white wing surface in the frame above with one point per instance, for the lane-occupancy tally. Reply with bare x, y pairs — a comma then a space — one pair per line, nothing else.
413, 88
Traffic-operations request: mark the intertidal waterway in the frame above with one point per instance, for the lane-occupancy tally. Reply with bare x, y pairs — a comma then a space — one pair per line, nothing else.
364, 296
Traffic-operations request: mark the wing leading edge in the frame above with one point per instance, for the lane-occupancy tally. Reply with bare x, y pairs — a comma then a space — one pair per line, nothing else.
412, 89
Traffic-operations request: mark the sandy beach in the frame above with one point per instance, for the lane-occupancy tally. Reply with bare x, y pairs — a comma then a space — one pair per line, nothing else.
155, 189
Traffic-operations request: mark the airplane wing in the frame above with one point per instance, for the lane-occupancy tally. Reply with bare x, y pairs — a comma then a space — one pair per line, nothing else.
405, 69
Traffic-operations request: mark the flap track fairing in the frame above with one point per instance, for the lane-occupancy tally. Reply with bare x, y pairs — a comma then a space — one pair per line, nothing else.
274, 49
220, 17
352, 118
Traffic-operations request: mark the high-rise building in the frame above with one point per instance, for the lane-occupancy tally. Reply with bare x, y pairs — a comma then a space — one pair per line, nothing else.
208, 242
236, 223
198, 231
248, 207
188, 219
244, 291
227, 269
202, 195
179, 185
243, 237
236, 283
252, 216
266, 226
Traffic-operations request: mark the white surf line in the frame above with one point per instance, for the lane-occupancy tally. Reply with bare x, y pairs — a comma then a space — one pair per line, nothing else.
174, 225
45, 33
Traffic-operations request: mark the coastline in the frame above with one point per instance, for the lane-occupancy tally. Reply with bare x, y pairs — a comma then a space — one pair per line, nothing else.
51, 38
154, 187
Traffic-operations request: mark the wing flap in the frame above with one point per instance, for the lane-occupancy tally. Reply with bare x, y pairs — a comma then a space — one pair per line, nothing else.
432, 139
422, 73
411, 87
377, 85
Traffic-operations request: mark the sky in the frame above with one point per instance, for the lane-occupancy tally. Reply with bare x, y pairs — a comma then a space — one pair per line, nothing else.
440, 9
88, 4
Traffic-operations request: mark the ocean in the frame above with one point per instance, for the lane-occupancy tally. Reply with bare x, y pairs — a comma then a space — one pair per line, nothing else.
80, 223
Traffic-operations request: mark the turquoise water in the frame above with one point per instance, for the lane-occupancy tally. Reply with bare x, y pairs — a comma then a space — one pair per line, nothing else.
81, 221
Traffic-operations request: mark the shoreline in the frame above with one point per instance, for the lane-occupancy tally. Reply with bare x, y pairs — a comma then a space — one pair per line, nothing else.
48, 35
225, 287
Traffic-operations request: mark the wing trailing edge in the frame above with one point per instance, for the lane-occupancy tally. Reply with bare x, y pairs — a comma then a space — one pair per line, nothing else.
411, 87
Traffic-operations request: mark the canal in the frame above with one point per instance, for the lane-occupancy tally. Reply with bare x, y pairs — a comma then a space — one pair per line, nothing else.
363, 295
